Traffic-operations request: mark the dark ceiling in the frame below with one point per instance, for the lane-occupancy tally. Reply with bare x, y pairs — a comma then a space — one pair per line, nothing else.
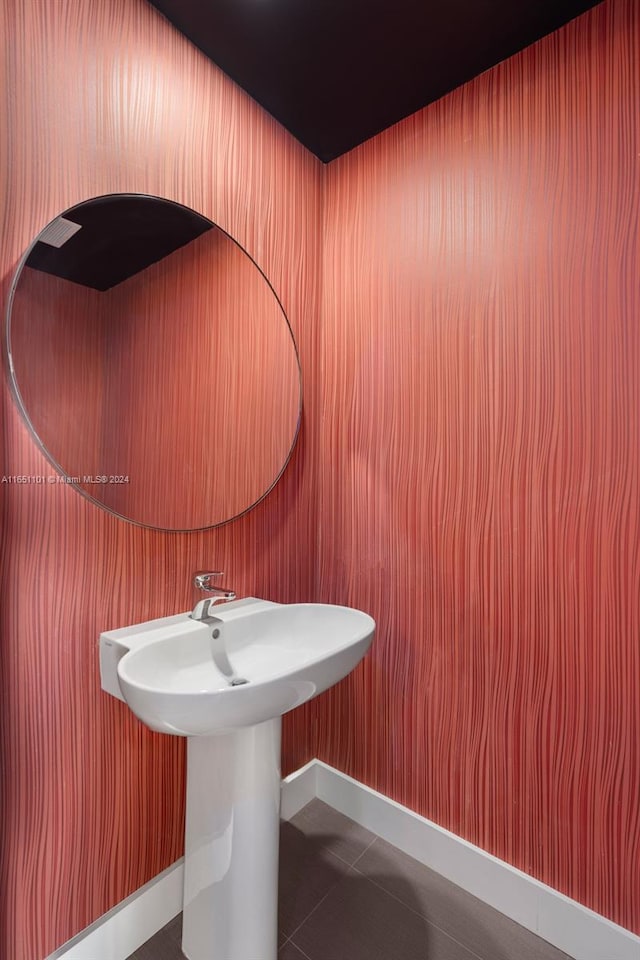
120, 235
336, 72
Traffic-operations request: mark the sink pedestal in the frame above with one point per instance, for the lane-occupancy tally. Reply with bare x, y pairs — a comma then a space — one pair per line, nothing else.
173, 680
231, 844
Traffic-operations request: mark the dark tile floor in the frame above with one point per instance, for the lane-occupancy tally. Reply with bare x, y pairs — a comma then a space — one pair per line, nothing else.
345, 894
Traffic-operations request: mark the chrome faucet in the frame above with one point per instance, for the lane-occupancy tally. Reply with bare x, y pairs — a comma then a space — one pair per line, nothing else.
201, 613
202, 581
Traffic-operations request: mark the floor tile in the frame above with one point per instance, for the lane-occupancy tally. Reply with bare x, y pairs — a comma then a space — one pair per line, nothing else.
164, 945
359, 921
489, 934
387, 906
307, 872
333, 831
174, 929
290, 952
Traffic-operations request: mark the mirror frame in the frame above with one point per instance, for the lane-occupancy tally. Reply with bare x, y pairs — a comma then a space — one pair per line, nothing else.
19, 400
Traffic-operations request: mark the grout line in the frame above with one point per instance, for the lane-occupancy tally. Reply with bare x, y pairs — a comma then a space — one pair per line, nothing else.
333, 886
320, 901
299, 949
302, 923
429, 923
348, 863
421, 916
447, 933
358, 858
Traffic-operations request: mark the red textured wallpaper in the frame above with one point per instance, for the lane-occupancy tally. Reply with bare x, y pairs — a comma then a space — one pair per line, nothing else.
480, 459
202, 359
470, 477
102, 97
63, 388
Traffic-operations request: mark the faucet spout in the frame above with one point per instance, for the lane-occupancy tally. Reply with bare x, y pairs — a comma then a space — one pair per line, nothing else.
203, 581
202, 613
202, 607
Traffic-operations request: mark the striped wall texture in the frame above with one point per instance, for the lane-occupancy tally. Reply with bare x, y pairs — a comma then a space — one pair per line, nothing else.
57, 351
205, 363
480, 459
102, 97
467, 470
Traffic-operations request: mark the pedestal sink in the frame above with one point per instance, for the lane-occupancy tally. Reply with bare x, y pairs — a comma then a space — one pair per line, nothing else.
225, 685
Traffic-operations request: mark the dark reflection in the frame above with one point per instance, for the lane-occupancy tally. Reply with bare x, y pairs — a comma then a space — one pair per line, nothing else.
153, 362
110, 239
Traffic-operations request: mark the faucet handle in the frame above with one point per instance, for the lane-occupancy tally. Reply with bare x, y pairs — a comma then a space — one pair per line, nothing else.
203, 579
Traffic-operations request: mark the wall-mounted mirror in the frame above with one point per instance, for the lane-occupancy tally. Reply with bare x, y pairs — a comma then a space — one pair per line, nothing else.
153, 362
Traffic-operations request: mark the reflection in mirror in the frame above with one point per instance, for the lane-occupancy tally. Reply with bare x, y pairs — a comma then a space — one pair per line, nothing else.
153, 362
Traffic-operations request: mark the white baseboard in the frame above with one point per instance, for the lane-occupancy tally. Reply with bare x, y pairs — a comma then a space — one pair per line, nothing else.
563, 922
118, 933
299, 789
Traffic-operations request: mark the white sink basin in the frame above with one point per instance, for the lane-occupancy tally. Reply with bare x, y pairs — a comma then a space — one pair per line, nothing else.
181, 683
224, 685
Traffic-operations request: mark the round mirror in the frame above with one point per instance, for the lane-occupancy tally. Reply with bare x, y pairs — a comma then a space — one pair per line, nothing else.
153, 362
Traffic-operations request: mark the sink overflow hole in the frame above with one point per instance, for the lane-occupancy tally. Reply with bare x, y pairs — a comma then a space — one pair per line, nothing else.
238, 681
